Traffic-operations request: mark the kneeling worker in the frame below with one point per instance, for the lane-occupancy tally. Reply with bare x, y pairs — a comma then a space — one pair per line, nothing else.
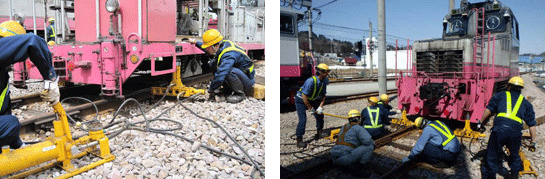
374, 118
230, 65
353, 145
17, 46
437, 145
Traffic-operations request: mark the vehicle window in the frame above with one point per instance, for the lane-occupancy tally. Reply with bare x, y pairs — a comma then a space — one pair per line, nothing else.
287, 24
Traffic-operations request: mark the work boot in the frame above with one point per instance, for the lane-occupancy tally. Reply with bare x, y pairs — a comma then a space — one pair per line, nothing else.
320, 134
301, 143
238, 90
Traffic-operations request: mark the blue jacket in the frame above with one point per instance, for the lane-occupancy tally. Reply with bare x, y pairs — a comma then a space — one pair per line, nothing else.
382, 119
430, 136
17, 49
308, 88
231, 59
357, 136
497, 104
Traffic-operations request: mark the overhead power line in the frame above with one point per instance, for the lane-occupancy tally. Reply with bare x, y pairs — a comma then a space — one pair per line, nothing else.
349, 28
326, 4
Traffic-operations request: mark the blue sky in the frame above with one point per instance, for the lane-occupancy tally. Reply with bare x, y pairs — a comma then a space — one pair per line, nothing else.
420, 19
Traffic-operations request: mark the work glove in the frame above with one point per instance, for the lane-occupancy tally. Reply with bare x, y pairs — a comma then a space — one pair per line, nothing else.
51, 92
192, 41
480, 127
312, 111
320, 110
405, 160
532, 147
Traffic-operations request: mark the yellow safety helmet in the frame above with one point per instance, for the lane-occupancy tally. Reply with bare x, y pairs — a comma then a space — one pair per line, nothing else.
211, 37
51, 19
322, 66
517, 81
419, 121
384, 98
354, 113
51, 43
11, 28
373, 99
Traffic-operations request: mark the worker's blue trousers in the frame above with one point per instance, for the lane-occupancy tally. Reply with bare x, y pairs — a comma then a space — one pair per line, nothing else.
246, 82
435, 154
9, 131
345, 156
494, 152
301, 112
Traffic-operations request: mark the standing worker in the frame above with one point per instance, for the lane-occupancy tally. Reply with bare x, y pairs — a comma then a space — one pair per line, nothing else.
230, 65
51, 30
16, 47
374, 118
437, 145
354, 144
311, 96
507, 129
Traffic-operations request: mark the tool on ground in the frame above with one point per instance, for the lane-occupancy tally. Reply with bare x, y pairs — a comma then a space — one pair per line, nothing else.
59, 150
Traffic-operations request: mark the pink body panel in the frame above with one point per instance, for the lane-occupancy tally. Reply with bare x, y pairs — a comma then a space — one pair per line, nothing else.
479, 84
86, 32
252, 46
29, 23
161, 21
290, 71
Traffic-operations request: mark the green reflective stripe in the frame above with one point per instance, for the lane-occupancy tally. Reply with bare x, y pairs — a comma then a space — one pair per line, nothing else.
374, 122
512, 114
251, 68
231, 48
3, 96
380, 102
313, 97
447, 134
52, 29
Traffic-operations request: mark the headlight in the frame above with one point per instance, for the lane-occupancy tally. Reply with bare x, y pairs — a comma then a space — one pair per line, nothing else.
112, 5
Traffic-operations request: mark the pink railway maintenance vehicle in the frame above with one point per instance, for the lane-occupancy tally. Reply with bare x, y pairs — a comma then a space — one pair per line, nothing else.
455, 77
106, 42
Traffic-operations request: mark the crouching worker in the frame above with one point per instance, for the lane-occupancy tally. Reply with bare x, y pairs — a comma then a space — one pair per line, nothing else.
437, 145
354, 146
374, 119
16, 47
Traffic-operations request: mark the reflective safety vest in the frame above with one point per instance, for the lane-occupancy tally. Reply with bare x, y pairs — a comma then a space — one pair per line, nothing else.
3, 96
380, 102
443, 130
374, 122
314, 94
53, 30
340, 140
512, 114
237, 48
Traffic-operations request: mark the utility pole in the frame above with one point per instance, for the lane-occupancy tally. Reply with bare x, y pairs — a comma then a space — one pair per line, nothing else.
370, 47
309, 11
381, 47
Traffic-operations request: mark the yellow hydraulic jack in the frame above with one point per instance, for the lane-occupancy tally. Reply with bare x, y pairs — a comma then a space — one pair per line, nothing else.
404, 121
59, 149
334, 132
527, 166
468, 132
178, 87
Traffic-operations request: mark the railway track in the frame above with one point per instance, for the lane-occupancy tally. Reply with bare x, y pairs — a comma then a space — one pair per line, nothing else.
330, 100
87, 109
325, 166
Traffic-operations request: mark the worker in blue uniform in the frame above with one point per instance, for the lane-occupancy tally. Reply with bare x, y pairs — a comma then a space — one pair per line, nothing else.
16, 47
311, 96
354, 145
374, 118
230, 64
437, 145
510, 109
383, 103
51, 30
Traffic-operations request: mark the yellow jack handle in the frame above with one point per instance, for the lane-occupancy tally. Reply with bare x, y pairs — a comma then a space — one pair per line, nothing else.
178, 87
527, 166
334, 133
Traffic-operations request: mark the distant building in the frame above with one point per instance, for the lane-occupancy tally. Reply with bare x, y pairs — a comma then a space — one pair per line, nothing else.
531, 63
